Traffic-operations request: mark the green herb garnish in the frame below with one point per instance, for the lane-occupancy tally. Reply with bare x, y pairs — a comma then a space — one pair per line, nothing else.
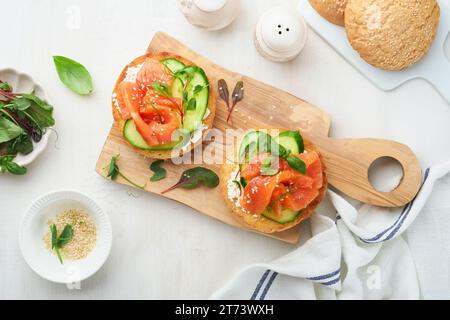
162, 89
243, 182
198, 89
192, 104
296, 164
159, 173
59, 241
157, 111
267, 167
24, 118
114, 172
74, 75
278, 200
7, 164
193, 178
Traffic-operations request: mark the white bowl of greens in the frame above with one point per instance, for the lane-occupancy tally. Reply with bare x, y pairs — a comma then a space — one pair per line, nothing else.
26, 121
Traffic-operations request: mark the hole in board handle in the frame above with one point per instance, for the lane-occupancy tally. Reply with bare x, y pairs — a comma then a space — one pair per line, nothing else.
385, 174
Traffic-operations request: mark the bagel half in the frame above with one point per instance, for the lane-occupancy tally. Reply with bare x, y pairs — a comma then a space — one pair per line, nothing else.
120, 122
259, 222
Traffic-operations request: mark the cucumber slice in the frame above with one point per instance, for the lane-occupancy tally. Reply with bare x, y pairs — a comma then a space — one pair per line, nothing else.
291, 140
134, 138
287, 216
173, 64
195, 78
254, 142
194, 118
177, 88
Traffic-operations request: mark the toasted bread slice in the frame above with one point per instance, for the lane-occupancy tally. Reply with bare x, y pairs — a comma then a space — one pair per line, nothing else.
258, 222
120, 123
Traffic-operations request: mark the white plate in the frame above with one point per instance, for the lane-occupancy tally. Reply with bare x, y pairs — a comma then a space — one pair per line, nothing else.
434, 67
34, 226
24, 83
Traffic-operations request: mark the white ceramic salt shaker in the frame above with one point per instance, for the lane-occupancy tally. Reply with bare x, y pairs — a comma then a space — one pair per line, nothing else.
280, 34
210, 14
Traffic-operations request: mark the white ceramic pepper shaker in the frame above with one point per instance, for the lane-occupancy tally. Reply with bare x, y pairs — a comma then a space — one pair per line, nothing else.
210, 14
280, 34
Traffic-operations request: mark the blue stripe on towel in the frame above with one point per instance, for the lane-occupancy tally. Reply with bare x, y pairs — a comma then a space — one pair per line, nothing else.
268, 285
400, 220
325, 276
325, 281
331, 282
259, 285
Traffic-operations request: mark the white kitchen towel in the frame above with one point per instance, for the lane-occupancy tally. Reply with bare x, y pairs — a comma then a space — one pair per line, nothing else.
358, 255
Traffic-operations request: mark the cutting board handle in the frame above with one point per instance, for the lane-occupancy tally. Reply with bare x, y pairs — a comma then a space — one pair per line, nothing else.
347, 165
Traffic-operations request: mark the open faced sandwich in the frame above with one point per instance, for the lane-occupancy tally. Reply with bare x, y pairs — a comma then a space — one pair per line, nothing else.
163, 103
277, 182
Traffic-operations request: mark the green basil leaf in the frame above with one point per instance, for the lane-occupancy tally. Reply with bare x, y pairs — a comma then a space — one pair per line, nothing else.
9, 130
14, 168
159, 173
296, 164
65, 236
54, 233
74, 75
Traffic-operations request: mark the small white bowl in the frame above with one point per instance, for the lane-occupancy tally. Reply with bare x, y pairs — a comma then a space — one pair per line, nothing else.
34, 226
24, 83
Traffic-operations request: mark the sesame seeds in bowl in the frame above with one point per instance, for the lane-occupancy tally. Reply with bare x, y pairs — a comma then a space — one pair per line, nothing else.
88, 247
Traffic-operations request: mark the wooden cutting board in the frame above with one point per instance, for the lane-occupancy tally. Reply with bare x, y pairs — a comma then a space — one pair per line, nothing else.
347, 160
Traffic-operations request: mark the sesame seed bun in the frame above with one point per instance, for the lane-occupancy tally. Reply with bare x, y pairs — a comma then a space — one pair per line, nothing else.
391, 34
120, 122
332, 10
258, 222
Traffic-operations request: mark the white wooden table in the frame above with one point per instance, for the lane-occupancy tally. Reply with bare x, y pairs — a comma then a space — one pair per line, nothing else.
162, 249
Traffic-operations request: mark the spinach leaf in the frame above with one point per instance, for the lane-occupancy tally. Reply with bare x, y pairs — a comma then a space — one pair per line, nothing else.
38, 101
41, 117
193, 178
8, 130
4, 86
159, 173
21, 103
74, 75
22, 144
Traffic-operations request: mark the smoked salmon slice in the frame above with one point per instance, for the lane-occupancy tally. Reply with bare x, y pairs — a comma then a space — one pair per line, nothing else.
156, 117
287, 189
